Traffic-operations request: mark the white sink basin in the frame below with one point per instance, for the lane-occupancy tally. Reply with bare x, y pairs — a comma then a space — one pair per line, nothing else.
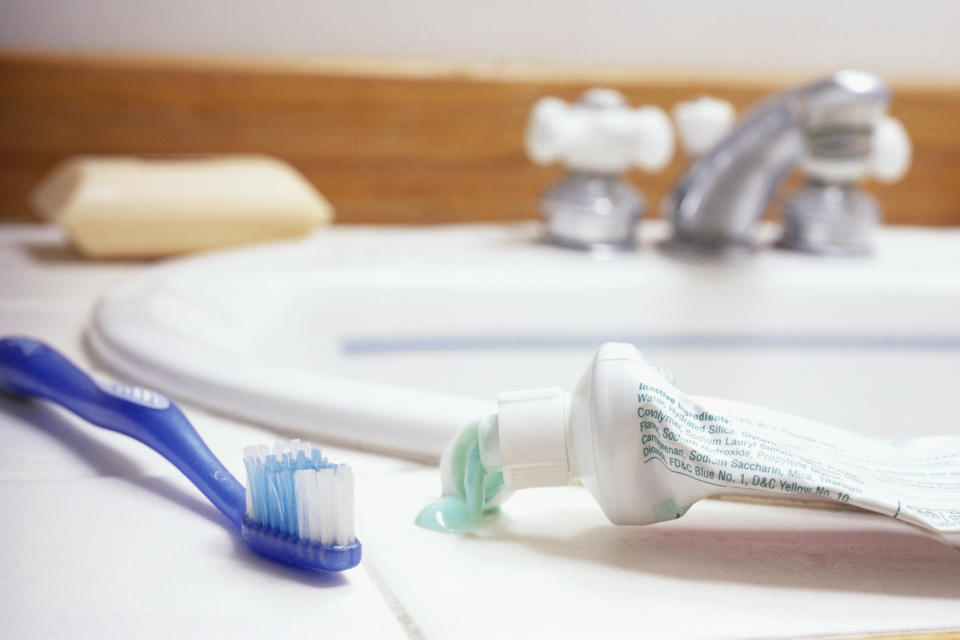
391, 338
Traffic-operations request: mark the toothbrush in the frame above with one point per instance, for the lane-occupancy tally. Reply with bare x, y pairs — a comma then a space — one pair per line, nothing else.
298, 508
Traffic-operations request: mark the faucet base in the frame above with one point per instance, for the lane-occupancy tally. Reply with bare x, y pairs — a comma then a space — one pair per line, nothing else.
829, 219
681, 245
592, 211
589, 245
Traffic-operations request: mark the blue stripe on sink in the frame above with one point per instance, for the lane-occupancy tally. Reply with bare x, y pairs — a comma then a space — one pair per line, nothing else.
881, 342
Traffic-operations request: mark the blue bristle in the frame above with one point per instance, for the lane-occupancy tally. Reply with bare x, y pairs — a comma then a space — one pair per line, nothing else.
271, 485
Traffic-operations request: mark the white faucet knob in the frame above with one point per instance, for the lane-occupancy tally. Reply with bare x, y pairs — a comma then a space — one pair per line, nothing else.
600, 133
702, 123
545, 130
892, 152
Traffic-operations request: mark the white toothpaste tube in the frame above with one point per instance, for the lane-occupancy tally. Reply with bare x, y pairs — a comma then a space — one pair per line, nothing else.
647, 451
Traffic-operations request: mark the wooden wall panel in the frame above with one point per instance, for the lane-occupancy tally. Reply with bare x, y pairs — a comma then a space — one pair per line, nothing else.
403, 144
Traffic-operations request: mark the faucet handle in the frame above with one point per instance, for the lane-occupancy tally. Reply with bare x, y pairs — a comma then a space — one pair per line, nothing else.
830, 214
891, 150
600, 133
887, 158
702, 123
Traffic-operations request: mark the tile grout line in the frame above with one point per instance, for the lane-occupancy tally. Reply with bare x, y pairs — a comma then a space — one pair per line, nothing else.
396, 607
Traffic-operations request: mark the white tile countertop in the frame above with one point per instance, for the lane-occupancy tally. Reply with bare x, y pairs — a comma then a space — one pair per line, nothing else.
103, 538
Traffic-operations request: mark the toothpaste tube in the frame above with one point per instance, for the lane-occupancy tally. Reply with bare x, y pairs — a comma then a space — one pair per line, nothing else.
647, 451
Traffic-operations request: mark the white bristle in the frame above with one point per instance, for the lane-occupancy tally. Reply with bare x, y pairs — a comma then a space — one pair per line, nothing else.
256, 451
325, 504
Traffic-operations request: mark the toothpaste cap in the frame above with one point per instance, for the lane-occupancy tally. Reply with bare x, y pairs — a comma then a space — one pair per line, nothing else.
531, 426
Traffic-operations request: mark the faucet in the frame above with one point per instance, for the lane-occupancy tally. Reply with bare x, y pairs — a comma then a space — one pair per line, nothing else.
836, 128
598, 138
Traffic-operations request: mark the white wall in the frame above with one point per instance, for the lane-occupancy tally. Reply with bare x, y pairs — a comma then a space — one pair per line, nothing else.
900, 38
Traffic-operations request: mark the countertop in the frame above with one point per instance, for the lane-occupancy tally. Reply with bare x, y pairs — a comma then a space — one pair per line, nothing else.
103, 538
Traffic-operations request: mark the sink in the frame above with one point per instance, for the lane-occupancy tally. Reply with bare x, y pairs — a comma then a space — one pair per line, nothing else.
391, 338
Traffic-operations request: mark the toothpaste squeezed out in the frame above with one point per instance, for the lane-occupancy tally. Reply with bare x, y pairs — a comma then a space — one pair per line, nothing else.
647, 451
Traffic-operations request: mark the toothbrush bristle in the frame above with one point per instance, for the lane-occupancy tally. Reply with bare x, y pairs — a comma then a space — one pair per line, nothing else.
325, 504
300, 506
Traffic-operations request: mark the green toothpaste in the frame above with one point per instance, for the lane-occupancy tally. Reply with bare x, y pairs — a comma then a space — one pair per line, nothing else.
469, 489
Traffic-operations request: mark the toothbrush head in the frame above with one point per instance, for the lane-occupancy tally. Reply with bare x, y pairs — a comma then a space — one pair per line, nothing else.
299, 507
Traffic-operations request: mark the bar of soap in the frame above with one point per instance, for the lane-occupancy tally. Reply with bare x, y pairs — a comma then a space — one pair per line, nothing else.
128, 207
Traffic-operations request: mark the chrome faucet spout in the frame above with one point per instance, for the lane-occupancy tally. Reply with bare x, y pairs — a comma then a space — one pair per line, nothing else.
717, 202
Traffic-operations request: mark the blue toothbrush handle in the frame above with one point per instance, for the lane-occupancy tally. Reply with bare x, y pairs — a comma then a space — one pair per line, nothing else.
31, 368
